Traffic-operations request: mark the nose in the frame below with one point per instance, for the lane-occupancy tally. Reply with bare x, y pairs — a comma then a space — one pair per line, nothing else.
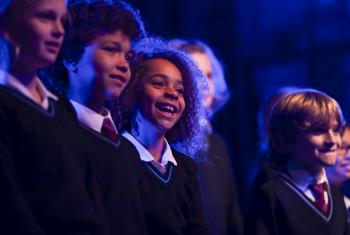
333, 138
122, 63
171, 93
58, 29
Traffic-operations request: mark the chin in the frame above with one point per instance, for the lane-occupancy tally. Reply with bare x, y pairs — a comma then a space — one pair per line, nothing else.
164, 127
329, 162
48, 60
112, 94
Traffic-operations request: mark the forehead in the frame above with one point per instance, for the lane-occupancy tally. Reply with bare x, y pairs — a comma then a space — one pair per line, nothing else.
202, 60
162, 67
116, 37
56, 5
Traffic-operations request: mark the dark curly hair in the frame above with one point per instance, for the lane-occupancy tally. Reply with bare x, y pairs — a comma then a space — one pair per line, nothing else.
87, 20
187, 135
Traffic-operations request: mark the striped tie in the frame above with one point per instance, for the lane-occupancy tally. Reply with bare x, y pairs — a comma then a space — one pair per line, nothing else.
108, 130
318, 190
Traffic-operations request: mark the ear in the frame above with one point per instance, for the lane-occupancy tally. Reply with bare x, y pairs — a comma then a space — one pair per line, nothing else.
281, 145
70, 66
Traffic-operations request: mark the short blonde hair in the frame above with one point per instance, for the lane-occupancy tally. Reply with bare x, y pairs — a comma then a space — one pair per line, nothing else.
301, 109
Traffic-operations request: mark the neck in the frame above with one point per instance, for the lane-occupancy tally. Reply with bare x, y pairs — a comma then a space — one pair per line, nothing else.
316, 172
86, 99
25, 76
28, 78
149, 136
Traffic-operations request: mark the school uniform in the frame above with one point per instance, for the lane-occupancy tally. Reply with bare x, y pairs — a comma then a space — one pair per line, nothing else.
219, 189
170, 193
45, 185
345, 189
117, 168
286, 205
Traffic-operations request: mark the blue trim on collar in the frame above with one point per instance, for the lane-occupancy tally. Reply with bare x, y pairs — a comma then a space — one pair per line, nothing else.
308, 201
166, 178
50, 112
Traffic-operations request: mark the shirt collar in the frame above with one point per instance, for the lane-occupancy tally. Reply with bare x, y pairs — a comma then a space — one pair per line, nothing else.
91, 118
10, 81
302, 179
146, 156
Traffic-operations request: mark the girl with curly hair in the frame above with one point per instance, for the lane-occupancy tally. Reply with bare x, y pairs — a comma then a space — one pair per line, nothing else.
162, 107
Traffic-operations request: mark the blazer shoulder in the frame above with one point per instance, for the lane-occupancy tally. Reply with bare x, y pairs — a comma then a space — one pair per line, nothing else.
185, 161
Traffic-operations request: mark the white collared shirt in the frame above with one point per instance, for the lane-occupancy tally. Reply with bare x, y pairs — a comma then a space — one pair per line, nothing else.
10, 81
303, 180
147, 157
347, 202
90, 118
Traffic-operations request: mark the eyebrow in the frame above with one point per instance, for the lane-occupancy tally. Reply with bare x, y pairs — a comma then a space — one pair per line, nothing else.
165, 76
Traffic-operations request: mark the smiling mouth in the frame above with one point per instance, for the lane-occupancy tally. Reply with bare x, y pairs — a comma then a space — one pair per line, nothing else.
53, 46
118, 77
168, 108
328, 150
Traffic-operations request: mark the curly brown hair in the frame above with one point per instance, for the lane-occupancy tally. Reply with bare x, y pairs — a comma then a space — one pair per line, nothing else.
87, 20
187, 135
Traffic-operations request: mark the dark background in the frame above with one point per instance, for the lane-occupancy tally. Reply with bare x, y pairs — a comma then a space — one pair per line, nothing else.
263, 44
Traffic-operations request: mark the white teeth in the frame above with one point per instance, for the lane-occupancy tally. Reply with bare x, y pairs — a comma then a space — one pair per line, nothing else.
167, 108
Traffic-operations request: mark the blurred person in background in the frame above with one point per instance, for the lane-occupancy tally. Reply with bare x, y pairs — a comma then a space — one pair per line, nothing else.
216, 176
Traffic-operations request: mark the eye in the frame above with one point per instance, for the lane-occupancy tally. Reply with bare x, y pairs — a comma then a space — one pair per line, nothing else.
111, 49
46, 15
318, 131
180, 91
129, 55
158, 84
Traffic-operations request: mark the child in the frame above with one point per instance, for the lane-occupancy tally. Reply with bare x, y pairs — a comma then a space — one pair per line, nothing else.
216, 176
304, 136
163, 107
95, 57
339, 174
44, 186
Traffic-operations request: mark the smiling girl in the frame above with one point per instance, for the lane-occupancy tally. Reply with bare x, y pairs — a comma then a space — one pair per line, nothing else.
44, 183
162, 107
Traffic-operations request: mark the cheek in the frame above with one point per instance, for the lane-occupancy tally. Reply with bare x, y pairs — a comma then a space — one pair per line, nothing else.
102, 64
36, 32
182, 106
145, 104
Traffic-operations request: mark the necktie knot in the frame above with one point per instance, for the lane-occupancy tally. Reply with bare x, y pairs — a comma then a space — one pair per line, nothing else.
319, 190
108, 130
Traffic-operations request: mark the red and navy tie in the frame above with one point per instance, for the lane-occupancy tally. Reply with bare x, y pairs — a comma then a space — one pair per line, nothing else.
108, 130
318, 190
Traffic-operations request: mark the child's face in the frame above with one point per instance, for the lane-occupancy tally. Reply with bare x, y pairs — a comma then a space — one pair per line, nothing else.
203, 63
104, 68
342, 165
38, 32
316, 148
160, 99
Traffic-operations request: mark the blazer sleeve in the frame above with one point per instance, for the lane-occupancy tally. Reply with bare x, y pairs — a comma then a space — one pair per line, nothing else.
15, 213
197, 217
